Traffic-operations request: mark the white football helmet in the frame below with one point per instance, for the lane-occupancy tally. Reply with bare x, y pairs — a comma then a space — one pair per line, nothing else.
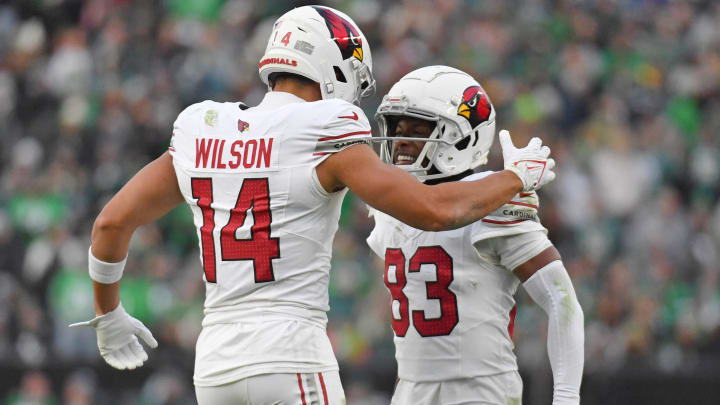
464, 116
325, 46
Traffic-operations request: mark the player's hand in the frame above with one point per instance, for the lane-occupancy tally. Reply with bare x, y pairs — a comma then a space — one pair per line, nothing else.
531, 163
117, 340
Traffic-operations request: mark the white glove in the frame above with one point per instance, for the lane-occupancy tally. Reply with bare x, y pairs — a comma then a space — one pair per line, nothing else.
117, 340
530, 164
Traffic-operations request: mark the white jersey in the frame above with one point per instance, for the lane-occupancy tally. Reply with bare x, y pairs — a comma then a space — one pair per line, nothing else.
264, 223
452, 292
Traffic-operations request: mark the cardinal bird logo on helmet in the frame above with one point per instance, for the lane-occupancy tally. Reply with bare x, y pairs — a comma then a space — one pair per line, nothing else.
343, 33
475, 106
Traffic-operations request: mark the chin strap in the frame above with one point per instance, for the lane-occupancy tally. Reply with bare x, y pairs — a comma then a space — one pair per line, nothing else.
454, 177
551, 288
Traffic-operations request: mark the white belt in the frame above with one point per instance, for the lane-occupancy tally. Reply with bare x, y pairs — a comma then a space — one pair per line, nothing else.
238, 314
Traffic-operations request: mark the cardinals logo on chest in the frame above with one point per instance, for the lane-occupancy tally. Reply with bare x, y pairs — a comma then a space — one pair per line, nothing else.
343, 33
475, 106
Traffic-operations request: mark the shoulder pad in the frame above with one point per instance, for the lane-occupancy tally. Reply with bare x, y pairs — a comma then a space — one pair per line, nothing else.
518, 216
522, 207
346, 125
341, 113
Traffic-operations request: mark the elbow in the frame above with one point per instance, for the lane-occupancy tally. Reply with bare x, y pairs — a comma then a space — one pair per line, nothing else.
438, 219
108, 222
574, 314
580, 314
432, 212
441, 222
575, 305
430, 226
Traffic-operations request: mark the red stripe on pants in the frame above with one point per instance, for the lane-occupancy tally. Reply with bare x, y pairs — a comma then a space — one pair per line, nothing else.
511, 325
302, 391
322, 384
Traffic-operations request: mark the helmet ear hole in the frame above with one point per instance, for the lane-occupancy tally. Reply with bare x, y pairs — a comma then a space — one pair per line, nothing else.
463, 143
339, 76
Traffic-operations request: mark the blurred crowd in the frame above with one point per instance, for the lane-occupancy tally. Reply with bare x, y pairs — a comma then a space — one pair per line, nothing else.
626, 92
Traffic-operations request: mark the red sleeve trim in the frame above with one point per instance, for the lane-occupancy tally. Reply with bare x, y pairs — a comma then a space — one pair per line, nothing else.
523, 204
352, 117
492, 221
331, 138
321, 153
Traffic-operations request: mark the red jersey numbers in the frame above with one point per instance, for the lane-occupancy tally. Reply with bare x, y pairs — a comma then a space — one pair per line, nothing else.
395, 280
436, 290
202, 191
260, 248
254, 195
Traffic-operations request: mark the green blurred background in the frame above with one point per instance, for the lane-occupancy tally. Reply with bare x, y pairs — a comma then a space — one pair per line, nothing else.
626, 92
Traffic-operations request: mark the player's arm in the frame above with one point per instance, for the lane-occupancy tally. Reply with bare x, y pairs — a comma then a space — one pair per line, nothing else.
399, 194
444, 206
548, 284
150, 194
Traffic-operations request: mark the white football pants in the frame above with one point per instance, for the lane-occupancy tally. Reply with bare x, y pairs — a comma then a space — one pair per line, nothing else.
499, 389
277, 389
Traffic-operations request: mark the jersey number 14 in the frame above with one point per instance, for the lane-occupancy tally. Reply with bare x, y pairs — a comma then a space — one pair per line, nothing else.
260, 248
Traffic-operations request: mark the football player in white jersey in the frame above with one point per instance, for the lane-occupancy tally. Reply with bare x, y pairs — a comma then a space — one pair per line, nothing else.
265, 185
452, 291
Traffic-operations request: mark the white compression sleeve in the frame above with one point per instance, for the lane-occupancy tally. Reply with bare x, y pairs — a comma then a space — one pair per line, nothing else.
551, 288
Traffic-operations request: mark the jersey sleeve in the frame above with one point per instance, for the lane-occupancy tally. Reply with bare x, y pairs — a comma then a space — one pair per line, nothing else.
375, 238
517, 249
518, 216
185, 128
388, 232
346, 126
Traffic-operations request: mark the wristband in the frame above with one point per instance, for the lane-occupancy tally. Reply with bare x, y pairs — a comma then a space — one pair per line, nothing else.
104, 272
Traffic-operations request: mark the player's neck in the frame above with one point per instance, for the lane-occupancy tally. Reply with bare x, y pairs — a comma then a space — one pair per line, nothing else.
304, 91
450, 178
